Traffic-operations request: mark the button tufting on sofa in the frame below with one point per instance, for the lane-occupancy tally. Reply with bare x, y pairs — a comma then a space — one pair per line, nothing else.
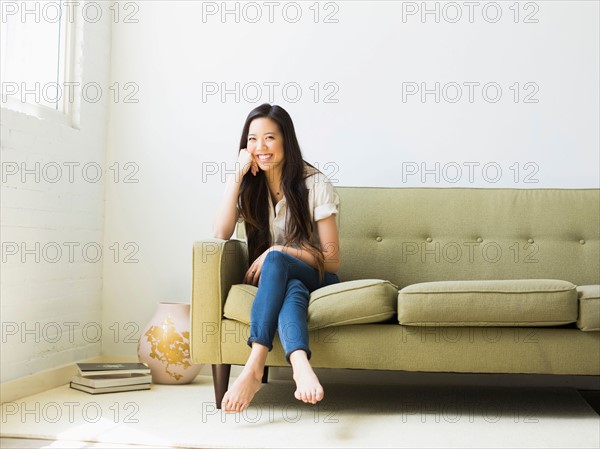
530, 240
479, 240
429, 239
582, 242
379, 239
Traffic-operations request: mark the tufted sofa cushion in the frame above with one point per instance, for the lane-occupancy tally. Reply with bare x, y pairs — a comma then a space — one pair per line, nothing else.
589, 307
521, 302
353, 302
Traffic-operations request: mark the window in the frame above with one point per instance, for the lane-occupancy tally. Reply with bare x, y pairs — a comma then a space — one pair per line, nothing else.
37, 44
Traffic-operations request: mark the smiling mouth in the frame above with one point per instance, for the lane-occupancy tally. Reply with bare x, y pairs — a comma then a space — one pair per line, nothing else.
264, 157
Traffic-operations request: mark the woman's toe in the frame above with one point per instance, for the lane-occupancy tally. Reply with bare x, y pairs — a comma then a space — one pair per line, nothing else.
225, 405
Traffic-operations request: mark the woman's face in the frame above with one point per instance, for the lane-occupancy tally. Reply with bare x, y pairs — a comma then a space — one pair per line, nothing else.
265, 143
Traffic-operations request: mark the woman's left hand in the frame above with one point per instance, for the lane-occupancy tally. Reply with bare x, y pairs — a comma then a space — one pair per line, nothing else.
253, 274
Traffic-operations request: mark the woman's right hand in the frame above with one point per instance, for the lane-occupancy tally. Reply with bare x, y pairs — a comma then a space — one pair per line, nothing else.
247, 162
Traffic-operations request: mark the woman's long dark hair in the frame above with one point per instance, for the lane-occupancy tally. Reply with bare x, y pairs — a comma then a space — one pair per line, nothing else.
254, 192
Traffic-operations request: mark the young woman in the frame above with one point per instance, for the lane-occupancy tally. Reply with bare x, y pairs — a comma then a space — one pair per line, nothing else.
289, 210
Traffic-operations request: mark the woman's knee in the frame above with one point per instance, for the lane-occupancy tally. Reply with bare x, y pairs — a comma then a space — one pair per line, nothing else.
276, 258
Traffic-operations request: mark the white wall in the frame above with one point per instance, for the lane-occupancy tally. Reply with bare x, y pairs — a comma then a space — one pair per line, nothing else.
173, 134
51, 307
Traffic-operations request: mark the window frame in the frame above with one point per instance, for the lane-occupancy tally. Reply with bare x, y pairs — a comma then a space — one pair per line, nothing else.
67, 112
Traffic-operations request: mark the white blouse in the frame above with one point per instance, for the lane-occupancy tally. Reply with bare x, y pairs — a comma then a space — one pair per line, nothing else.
323, 201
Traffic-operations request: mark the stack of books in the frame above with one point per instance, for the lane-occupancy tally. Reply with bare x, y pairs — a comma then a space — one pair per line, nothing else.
95, 378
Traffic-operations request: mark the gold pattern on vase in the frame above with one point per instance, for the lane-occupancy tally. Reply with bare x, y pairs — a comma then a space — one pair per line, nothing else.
164, 345
169, 346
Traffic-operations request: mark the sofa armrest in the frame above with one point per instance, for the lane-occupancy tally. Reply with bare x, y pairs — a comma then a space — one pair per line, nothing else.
217, 265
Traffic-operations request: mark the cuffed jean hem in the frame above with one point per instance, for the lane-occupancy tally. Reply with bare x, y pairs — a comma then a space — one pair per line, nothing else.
301, 348
259, 341
287, 355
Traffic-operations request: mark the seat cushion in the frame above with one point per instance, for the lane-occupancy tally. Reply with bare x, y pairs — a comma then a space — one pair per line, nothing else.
353, 302
239, 302
521, 302
589, 307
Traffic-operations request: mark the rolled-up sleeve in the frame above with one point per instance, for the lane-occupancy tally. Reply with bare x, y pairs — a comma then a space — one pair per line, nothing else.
326, 199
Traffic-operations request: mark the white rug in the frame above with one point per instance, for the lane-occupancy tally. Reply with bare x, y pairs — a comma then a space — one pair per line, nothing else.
349, 416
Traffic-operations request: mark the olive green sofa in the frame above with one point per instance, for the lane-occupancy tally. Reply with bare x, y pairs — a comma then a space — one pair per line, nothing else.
464, 280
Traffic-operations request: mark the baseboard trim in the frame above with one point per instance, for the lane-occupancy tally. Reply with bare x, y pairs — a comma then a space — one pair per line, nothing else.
45, 380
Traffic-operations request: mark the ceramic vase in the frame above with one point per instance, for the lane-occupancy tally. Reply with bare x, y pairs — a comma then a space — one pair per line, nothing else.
165, 345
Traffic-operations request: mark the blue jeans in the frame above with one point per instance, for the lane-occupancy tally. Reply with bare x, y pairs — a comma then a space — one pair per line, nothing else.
281, 302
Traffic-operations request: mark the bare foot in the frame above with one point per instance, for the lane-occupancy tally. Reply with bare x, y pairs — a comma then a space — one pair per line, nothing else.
240, 394
308, 388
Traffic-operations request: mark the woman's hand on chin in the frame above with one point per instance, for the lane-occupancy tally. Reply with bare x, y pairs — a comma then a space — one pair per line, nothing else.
247, 162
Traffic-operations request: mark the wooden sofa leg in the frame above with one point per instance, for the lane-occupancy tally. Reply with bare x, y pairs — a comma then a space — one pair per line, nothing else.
220, 375
265, 377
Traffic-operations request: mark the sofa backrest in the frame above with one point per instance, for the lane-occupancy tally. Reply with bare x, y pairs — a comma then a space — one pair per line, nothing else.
410, 235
